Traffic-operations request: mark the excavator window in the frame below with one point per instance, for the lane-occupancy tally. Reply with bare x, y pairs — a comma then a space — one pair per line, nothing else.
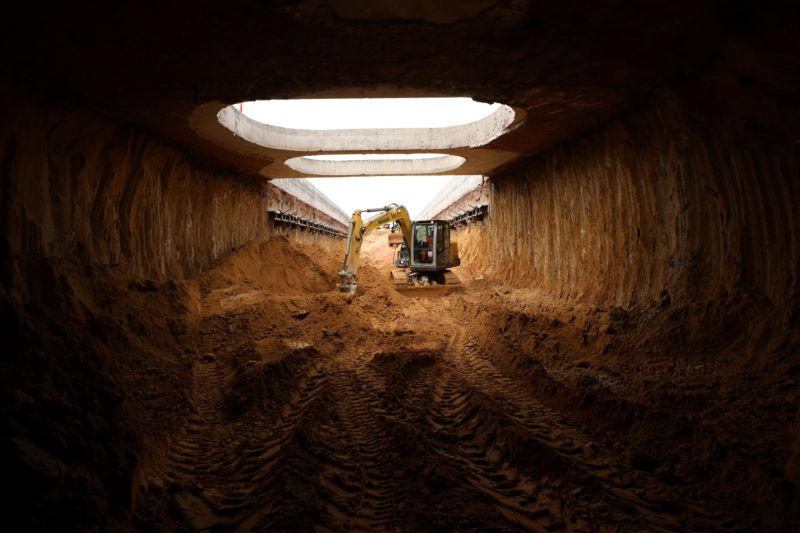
424, 235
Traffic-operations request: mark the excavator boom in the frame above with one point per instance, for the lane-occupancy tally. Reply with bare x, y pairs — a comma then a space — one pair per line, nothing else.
355, 238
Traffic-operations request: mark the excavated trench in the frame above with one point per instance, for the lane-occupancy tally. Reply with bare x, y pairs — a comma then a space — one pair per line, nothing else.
301, 407
255, 396
624, 354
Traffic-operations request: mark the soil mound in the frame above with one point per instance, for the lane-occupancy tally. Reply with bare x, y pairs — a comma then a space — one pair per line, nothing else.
277, 266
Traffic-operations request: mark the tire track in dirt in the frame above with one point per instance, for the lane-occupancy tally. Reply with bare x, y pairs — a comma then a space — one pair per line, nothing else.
331, 453
268, 447
229, 468
359, 467
506, 400
431, 403
329, 458
203, 457
461, 437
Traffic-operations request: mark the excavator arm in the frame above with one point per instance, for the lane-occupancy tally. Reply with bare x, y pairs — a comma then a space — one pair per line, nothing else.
355, 237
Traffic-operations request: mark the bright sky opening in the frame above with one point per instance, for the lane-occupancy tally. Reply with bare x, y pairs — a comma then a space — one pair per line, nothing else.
357, 113
351, 193
414, 192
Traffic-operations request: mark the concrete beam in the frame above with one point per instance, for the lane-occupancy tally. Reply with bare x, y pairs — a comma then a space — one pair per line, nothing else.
206, 124
391, 166
474, 134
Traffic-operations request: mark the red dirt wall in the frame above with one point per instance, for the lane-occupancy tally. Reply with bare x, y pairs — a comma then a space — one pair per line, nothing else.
79, 187
654, 206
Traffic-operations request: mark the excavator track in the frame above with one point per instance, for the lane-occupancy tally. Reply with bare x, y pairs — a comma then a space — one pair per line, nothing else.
451, 279
404, 281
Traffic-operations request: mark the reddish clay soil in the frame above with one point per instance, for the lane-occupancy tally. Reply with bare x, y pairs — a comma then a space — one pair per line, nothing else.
257, 397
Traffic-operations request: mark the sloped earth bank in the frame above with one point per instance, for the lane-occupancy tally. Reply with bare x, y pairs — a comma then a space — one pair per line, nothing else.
256, 397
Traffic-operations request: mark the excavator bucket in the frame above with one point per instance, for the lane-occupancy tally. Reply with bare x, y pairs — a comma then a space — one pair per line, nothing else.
398, 277
395, 239
348, 282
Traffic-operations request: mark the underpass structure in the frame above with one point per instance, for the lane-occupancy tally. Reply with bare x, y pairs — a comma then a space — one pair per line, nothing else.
623, 355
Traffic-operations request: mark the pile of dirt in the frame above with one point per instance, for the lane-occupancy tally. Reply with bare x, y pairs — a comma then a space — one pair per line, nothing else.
275, 266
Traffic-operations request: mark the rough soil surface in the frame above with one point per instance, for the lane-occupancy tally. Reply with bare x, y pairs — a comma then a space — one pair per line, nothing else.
255, 397
477, 411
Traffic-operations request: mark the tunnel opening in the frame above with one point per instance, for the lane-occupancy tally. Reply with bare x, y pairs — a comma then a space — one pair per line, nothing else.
623, 353
368, 124
368, 113
415, 192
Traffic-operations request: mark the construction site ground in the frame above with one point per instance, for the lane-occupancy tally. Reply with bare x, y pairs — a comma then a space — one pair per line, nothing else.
266, 400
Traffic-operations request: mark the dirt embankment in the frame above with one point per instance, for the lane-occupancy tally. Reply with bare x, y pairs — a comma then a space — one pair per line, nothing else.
94, 378
80, 189
680, 202
98, 373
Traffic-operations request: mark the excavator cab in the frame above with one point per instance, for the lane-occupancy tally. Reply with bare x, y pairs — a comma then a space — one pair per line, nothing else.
431, 248
429, 257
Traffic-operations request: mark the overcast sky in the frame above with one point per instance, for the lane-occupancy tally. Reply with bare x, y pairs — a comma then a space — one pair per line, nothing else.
415, 192
347, 113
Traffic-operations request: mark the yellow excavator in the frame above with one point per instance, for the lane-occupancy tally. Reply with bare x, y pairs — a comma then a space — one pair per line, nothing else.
424, 256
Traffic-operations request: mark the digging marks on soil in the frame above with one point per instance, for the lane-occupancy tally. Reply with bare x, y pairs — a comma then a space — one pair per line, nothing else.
408, 430
591, 489
225, 472
360, 465
462, 440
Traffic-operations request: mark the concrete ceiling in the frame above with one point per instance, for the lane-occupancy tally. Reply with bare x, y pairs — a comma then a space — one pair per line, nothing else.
278, 147
566, 67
